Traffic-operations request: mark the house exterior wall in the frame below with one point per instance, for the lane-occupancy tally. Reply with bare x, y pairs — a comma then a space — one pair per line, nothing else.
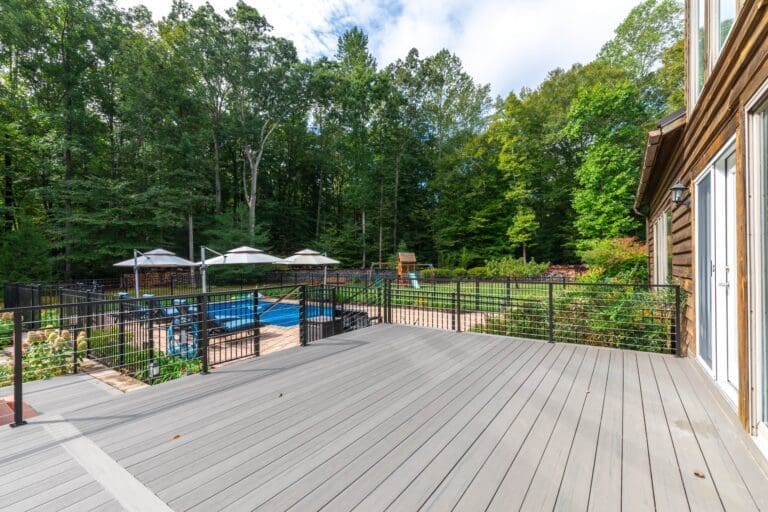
717, 118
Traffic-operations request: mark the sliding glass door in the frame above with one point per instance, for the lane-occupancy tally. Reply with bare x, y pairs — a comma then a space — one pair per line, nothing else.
716, 285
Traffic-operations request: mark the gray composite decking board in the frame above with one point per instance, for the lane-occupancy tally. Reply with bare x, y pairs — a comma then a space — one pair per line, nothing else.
735, 495
225, 383
249, 412
403, 418
98, 499
264, 475
383, 481
518, 479
379, 449
234, 417
576, 481
669, 492
289, 440
636, 485
325, 475
75, 496
701, 492
737, 443
453, 485
486, 481
289, 385
49, 493
410, 486
306, 418
541, 492
605, 491
379, 463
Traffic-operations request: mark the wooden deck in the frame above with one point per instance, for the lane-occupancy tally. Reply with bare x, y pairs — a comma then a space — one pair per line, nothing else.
397, 418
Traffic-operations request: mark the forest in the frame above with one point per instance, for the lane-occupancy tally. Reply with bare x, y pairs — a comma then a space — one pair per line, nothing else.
120, 132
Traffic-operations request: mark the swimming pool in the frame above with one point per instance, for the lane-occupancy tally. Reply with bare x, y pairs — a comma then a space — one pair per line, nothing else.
238, 314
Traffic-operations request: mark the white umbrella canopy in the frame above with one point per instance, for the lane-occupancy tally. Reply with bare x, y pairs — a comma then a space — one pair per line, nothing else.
243, 256
308, 257
156, 258
239, 256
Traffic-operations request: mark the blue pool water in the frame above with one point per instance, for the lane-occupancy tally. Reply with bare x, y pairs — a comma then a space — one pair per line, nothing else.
238, 313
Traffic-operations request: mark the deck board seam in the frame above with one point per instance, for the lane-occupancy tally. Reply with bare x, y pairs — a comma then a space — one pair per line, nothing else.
645, 430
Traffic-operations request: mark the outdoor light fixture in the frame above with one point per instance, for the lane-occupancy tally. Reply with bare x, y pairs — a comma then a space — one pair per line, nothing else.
677, 194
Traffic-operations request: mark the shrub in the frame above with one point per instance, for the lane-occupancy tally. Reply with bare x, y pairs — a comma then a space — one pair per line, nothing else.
442, 272
169, 368
428, 273
514, 267
620, 259
477, 272
459, 272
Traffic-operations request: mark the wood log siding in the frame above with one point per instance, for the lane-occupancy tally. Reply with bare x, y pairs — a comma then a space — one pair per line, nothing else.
718, 116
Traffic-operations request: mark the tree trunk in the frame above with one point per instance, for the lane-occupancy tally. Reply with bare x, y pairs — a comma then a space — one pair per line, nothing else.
8, 193
191, 236
525, 254
217, 172
254, 162
381, 216
394, 213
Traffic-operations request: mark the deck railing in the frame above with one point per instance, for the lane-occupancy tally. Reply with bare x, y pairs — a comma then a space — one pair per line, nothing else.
153, 339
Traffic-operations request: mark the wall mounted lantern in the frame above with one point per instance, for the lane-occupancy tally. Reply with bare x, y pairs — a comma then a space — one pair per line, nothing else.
677, 194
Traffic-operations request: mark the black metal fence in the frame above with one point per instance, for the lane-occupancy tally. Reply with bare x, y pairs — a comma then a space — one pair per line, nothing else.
158, 338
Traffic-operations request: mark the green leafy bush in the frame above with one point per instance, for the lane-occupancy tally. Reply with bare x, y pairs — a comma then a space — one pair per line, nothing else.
633, 317
169, 368
459, 273
477, 272
6, 329
619, 259
514, 267
51, 352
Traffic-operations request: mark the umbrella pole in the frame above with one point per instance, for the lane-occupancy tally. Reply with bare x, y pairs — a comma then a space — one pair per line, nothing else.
202, 269
136, 272
325, 274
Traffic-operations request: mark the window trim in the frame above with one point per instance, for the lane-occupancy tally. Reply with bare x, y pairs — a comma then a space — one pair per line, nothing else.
756, 136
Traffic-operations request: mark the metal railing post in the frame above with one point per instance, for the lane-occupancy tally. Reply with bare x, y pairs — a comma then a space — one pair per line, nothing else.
88, 324
453, 311
18, 372
477, 293
121, 333
333, 311
303, 315
202, 347
550, 287
677, 320
458, 306
256, 324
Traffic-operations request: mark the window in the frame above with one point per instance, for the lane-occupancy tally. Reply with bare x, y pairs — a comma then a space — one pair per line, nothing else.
662, 248
726, 15
698, 47
711, 23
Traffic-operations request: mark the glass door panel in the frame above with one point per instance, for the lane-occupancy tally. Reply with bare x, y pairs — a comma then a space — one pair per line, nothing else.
704, 268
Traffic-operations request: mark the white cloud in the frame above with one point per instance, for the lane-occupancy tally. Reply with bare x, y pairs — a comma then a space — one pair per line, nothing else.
507, 43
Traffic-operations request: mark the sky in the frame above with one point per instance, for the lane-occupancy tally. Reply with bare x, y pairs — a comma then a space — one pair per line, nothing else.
509, 44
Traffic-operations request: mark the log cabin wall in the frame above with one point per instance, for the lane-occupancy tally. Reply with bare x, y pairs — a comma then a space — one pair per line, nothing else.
717, 118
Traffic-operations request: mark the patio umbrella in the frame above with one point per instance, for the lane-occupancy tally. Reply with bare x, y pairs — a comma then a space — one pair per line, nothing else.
156, 258
238, 256
308, 257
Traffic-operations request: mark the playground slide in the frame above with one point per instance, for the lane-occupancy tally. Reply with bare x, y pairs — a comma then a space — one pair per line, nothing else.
414, 279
